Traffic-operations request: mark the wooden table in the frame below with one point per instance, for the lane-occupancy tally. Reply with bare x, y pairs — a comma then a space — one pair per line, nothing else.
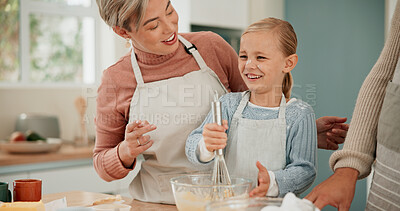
80, 198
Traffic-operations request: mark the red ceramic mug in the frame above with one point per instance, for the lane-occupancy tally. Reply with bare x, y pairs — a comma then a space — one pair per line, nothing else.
27, 190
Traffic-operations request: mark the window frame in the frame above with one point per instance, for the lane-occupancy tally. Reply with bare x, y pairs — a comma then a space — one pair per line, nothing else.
28, 7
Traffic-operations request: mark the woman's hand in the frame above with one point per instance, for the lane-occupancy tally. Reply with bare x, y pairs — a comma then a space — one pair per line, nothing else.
331, 132
263, 182
214, 135
135, 143
337, 191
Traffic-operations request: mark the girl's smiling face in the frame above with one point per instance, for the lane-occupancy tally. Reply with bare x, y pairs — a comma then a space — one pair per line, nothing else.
262, 63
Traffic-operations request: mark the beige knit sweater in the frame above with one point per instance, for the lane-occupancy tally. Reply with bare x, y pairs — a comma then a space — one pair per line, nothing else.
359, 148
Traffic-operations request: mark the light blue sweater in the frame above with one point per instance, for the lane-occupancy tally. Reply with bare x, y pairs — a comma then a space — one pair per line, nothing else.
301, 140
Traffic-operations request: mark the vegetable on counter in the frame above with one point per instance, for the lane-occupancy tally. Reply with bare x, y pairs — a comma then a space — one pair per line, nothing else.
30, 135
33, 136
17, 136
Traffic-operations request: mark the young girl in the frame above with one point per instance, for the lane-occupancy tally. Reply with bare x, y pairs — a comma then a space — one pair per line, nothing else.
268, 136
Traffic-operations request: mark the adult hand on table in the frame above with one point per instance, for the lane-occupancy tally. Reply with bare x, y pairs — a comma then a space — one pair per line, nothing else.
263, 182
214, 135
331, 131
135, 143
337, 191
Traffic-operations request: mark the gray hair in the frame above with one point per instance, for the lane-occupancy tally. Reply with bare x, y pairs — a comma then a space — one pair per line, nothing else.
122, 12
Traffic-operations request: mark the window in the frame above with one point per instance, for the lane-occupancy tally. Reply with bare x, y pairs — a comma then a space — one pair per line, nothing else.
48, 41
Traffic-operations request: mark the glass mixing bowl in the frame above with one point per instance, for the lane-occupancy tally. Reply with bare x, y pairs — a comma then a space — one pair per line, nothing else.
249, 204
193, 192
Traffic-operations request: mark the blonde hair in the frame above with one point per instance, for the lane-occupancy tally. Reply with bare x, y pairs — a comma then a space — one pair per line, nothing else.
287, 39
122, 12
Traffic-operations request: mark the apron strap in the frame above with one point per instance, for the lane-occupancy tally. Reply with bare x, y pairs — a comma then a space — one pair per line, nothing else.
191, 49
282, 108
135, 66
242, 104
396, 75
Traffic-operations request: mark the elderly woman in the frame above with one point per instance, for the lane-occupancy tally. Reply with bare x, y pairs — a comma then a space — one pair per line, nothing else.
166, 80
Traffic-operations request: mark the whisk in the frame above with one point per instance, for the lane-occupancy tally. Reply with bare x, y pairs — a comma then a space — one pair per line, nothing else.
220, 174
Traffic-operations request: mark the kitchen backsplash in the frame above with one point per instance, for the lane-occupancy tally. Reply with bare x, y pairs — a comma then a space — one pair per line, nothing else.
51, 101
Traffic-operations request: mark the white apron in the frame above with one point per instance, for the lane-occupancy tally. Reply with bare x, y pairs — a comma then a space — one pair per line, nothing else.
176, 106
256, 140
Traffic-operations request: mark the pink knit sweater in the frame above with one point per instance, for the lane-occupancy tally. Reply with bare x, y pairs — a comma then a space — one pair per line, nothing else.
118, 85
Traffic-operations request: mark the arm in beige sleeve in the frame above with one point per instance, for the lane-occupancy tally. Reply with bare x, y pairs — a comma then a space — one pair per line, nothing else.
359, 148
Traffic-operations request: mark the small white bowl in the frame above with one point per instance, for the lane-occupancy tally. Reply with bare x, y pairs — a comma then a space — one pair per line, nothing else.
112, 207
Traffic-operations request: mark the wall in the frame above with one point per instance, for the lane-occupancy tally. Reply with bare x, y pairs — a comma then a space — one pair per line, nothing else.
339, 42
266, 8
231, 14
57, 101
183, 9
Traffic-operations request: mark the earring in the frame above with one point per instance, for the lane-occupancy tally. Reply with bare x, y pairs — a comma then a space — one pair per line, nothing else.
127, 44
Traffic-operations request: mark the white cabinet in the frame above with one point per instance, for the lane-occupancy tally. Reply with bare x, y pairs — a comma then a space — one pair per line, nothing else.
183, 9
234, 14
82, 178
9, 178
220, 13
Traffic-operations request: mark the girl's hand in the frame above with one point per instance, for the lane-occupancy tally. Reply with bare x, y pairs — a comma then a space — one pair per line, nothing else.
263, 182
214, 135
135, 143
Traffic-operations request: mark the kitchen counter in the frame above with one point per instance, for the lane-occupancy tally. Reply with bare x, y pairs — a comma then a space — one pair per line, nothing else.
80, 198
67, 156
71, 165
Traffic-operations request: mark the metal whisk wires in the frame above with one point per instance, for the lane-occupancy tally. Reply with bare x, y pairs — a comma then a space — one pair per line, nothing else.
220, 174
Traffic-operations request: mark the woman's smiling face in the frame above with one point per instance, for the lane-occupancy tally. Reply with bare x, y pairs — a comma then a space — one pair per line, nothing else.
261, 62
158, 29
